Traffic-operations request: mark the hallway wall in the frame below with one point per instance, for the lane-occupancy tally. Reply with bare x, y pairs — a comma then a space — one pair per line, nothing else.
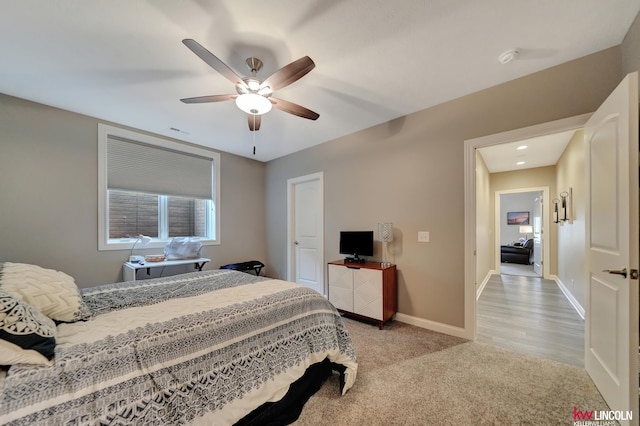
570, 173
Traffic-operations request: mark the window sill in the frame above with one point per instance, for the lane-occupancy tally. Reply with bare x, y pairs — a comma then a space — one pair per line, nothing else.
155, 244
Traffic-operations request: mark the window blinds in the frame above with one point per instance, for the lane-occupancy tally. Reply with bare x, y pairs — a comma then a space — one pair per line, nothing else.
139, 167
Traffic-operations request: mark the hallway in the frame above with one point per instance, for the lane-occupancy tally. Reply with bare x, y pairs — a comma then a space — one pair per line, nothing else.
530, 315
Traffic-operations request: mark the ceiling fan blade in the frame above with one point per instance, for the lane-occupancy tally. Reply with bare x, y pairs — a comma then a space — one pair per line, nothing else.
294, 109
289, 73
254, 122
213, 61
210, 98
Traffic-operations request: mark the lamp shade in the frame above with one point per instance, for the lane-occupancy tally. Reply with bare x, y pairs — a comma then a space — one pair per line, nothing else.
253, 104
526, 229
385, 232
143, 240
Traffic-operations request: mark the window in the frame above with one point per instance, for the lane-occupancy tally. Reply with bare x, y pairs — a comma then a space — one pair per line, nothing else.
154, 187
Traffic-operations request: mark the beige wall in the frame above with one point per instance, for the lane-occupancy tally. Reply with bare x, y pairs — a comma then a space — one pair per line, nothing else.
528, 178
485, 252
631, 48
410, 171
49, 200
570, 173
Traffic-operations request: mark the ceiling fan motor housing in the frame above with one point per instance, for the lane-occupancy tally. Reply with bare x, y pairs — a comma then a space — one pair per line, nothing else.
254, 64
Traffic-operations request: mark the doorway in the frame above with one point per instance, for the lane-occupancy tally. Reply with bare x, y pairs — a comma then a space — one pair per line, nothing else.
476, 241
486, 270
520, 247
305, 231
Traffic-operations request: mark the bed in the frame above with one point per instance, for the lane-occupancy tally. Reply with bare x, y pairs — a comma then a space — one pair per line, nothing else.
212, 347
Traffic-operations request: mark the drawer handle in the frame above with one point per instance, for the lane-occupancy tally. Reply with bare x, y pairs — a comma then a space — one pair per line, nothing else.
353, 267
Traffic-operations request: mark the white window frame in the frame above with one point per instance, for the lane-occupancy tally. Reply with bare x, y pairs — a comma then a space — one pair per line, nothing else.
104, 131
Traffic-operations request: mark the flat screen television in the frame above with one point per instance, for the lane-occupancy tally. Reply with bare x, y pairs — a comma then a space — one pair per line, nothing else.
356, 244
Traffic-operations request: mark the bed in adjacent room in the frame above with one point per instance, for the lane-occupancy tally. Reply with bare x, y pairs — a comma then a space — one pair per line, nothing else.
213, 347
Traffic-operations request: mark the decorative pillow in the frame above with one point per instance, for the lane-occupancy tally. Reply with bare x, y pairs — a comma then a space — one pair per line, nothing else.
53, 293
23, 331
13, 354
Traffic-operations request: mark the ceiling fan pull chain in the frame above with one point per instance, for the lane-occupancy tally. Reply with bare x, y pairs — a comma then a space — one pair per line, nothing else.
254, 135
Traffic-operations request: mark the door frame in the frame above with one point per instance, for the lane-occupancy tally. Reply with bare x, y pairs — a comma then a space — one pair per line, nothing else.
545, 226
291, 253
470, 240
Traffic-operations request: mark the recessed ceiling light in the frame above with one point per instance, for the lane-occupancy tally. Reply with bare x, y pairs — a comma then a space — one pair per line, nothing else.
508, 56
522, 147
520, 163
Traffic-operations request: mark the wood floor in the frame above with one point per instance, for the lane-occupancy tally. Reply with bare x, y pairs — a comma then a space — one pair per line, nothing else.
530, 315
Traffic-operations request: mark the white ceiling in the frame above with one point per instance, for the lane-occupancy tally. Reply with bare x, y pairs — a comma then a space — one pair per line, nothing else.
526, 153
376, 60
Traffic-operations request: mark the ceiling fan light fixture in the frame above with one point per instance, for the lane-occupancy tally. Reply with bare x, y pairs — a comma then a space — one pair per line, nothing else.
253, 104
254, 85
265, 91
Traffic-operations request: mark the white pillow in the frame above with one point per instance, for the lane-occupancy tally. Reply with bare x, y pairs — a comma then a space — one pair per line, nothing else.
51, 292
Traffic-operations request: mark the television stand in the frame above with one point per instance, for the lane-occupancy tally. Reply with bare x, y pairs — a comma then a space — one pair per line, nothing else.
366, 291
354, 259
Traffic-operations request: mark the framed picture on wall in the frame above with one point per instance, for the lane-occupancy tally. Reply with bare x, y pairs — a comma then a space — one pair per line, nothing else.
517, 218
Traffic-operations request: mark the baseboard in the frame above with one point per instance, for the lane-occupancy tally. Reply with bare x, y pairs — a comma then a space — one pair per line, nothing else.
574, 302
433, 325
484, 282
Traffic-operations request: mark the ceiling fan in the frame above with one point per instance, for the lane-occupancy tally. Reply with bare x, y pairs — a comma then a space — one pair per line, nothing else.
254, 96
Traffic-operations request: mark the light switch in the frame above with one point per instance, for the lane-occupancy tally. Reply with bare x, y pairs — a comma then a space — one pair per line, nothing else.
423, 237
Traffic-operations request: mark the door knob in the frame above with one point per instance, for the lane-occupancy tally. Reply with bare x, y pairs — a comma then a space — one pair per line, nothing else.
622, 271
295, 242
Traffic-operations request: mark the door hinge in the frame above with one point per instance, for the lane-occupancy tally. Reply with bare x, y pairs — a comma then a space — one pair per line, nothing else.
633, 274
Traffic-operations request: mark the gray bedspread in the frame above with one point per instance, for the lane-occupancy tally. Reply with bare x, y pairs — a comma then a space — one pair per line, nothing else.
198, 348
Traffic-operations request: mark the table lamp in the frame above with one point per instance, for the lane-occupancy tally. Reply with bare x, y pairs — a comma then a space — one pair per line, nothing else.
144, 241
526, 229
385, 235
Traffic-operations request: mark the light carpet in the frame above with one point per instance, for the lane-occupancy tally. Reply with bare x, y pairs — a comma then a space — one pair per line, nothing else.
411, 376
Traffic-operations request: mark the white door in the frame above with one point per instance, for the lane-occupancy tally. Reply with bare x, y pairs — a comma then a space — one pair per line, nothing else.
537, 235
306, 224
611, 321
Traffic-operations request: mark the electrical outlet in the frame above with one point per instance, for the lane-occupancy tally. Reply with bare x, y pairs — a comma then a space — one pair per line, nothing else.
423, 237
